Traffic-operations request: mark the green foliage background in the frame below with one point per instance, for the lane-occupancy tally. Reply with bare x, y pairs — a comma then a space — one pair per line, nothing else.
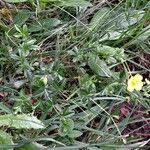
64, 66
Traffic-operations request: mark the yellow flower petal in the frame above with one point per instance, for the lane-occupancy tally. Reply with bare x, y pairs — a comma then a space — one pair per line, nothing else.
130, 81
135, 82
139, 86
130, 88
138, 77
131, 84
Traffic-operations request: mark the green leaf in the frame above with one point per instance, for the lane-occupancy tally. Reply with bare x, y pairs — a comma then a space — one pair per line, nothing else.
99, 66
15, 1
31, 146
93, 148
44, 24
100, 17
46, 1
20, 121
66, 126
75, 134
76, 3
108, 52
4, 108
21, 17
145, 33
126, 20
111, 35
5, 138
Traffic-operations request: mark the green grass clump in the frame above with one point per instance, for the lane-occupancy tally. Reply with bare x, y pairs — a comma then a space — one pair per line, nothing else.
65, 66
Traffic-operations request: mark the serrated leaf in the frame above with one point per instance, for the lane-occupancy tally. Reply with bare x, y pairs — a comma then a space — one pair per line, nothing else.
44, 24
21, 121
15, 1
99, 66
5, 138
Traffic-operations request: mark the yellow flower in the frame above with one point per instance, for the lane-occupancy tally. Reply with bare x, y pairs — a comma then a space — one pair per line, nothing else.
135, 83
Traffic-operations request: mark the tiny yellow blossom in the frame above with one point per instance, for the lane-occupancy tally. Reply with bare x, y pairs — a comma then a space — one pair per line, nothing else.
135, 83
